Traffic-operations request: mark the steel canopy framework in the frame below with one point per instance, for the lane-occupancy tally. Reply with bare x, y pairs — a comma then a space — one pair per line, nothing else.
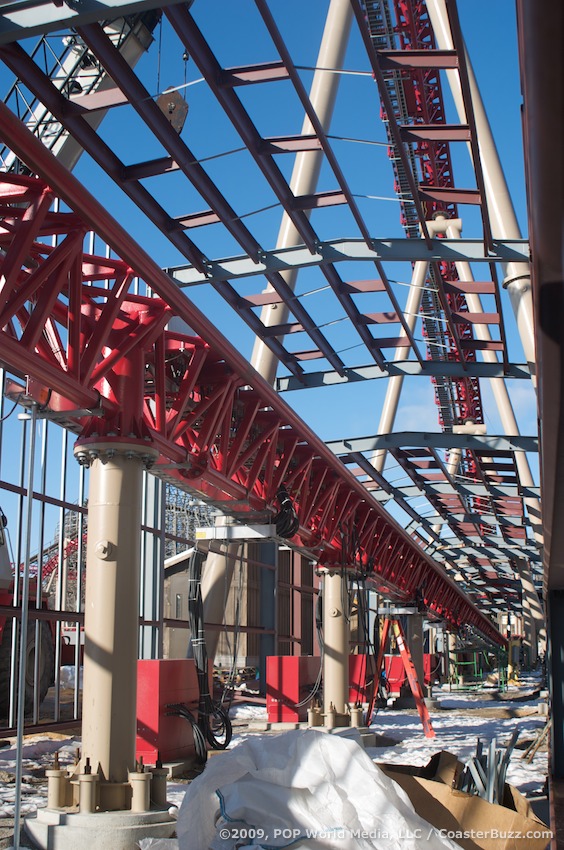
482, 507
227, 433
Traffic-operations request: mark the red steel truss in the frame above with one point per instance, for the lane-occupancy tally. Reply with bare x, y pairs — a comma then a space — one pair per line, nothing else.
73, 327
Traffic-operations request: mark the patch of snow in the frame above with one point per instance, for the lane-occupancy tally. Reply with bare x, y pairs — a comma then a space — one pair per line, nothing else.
246, 711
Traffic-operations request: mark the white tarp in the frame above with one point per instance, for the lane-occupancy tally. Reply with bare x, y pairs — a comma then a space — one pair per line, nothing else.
303, 789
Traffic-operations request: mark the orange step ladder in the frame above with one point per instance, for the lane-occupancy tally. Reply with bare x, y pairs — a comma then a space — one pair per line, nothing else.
410, 672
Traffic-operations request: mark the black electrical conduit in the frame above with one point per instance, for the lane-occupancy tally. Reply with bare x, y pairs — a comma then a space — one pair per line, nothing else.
212, 726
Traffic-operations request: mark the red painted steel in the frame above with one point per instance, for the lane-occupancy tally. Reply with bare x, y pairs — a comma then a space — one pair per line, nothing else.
162, 683
421, 110
198, 389
291, 680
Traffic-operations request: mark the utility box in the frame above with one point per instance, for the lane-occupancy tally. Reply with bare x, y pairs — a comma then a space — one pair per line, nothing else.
290, 680
160, 684
395, 671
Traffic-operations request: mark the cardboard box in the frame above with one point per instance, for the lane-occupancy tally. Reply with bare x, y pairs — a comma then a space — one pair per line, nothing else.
469, 820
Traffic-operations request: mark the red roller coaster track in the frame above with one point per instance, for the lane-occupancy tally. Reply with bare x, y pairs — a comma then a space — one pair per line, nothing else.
69, 319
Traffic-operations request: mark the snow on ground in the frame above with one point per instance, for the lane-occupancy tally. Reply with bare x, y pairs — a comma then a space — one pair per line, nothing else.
458, 733
457, 730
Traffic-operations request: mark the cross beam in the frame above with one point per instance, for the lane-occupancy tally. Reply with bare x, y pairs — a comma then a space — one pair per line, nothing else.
354, 250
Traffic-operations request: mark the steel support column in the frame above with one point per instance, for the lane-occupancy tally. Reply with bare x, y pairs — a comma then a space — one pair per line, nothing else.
395, 383
335, 640
216, 580
111, 613
500, 207
532, 607
308, 164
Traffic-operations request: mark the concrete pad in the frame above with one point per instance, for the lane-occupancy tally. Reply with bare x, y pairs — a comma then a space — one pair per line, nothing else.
56, 829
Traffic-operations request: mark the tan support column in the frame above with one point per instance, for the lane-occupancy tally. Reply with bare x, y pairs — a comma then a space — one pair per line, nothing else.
336, 641
304, 179
111, 626
217, 575
452, 666
307, 164
414, 642
533, 615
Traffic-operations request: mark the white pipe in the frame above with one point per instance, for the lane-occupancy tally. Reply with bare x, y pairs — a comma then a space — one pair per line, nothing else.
308, 163
395, 383
500, 208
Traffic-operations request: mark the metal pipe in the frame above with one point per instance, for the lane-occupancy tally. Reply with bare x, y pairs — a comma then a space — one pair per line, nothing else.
39, 585
395, 383
218, 571
335, 641
23, 627
453, 229
61, 574
88, 787
78, 603
112, 609
216, 581
308, 163
159, 786
502, 214
140, 790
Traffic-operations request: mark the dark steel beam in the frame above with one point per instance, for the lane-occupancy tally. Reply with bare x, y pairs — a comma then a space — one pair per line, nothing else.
211, 70
355, 250
438, 440
408, 368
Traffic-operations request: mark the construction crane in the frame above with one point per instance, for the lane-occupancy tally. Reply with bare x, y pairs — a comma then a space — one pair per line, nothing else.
73, 70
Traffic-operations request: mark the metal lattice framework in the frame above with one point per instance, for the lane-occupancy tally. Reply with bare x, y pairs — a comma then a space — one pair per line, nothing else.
226, 434
483, 505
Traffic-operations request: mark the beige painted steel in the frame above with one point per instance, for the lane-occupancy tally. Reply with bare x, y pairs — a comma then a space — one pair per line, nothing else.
57, 785
217, 576
308, 163
500, 207
532, 611
336, 641
395, 383
414, 641
88, 784
140, 791
112, 608
305, 174
453, 229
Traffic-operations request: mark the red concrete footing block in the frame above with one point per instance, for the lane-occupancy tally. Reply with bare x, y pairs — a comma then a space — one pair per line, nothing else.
161, 683
290, 679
